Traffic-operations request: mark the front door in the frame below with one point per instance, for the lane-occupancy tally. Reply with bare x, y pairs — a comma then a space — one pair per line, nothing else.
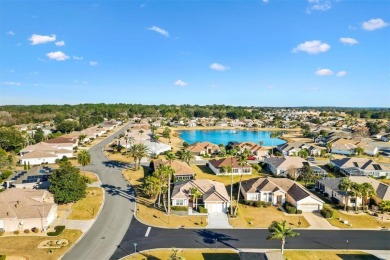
279, 199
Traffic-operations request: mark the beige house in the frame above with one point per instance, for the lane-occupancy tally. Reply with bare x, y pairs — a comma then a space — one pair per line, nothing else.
255, 149
280, 190
218, 167
214, 196
203, 148
280, 166
22, 209
183, 172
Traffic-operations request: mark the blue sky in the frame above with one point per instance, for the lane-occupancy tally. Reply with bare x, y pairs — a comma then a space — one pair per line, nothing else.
261, 53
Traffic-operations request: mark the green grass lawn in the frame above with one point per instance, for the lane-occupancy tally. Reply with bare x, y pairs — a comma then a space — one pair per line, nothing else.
187, 254
327, 255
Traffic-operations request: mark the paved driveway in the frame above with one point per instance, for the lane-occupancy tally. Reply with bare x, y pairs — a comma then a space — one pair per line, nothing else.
218, 220
317, 221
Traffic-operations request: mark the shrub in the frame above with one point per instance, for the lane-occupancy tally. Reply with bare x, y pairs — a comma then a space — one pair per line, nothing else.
334, 200
266, 204
179, 208
327, 213
259, 204
35, 230
58, 231
26, 231
202, 209
291, 209
299, 211
16, 232
2, 257
256, 167
2, 231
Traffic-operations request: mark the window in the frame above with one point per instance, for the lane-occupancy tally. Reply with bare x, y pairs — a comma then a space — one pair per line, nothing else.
269, 197
179, 202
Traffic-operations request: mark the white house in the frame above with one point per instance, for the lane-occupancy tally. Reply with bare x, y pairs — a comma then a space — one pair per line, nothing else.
231, 165
214, 196
361, 167
280, 166
277, 191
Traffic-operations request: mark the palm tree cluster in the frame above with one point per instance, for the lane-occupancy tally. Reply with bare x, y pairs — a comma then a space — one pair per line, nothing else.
352, 189
137, 152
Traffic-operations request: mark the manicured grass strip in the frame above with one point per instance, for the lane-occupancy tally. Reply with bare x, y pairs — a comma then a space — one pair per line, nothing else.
328, 255
88, 207
188, 254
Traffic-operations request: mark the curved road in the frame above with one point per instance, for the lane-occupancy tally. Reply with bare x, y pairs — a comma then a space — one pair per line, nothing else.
102, 239
112, 236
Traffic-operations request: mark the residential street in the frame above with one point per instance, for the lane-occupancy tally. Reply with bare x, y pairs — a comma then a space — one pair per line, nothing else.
112, 236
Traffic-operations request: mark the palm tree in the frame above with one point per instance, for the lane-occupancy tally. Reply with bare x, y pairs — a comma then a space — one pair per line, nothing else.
150, 186
279, 231
162, 174
242, 160
141, 132
84, 158
133, 154
328, 147
273, 135
261, 142
142, 151
170, 157
346, 185
186, 156
195, 195
303, 153
357, 190
367, 192
359, 150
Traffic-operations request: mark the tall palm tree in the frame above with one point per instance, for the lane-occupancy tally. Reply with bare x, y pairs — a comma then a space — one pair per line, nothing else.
329, 147
367, 192
84, 158
186, 156
242, 160
142, 151
346, 185
161, 173
273, 135
133, 154
170, 157
279, 231
195, 195
357, 191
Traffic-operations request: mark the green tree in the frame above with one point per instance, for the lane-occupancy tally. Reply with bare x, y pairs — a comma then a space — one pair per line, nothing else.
66, 184
170, 157
167, 133
357, 191
39, 135
359, 150
150, 186
186, 156
141, 152
195, 195
242, 161
303, 153
307, 174
84, 158
367, 192
11, 139
346, 185
174, 255
279, 231
5, 162
273, 135
328, 147
385, 205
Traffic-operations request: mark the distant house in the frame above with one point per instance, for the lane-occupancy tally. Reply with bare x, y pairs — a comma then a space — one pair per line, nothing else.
279, 166
214, 196
183, 172
277, 191
292, 149
385, 137
217, 166
59, 141
45, 153
203, 148
22, 209
36, 178
348, 146
330, 188
255, 149
361, 167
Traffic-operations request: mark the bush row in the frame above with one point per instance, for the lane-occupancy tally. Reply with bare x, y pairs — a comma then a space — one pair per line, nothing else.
327, 213
202, 209
257, 203
179, 208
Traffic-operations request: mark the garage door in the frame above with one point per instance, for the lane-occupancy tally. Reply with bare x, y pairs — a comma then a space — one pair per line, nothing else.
214, 207
309, 207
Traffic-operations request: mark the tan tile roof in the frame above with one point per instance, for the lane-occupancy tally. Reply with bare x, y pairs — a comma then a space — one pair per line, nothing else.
25, 203
251, 146
211, 190
226, 162
202, 146
180, 168
40, 154
61, 140
362, 163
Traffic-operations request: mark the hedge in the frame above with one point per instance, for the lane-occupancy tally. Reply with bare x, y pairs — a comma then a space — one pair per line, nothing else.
299, 211
58, 231
2, 257
327, 213
202, 209
291, 209
179, 208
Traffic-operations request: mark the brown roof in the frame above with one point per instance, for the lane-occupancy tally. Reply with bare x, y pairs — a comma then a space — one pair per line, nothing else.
251, 146
202, 146
25, 203
227, 162
180, 168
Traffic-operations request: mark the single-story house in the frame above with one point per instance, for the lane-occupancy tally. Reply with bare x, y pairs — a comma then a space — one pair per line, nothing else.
292, 149
280, 166
214, 196
202, 148
218, 167
44, 153
182, 171
35, 178
330, 186
22, 209
255, 149
361, 167
280, 190
348, 146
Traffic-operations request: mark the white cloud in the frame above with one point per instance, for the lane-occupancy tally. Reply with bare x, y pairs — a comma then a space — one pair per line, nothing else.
57, 55
159, 30
180, 83
11, 83
93, 63
324, 72
60, 43
374, 24
11, 33
41, 39
341, 73
318, 5
312, 47
265, 1
349, 41
218, 67
77, 58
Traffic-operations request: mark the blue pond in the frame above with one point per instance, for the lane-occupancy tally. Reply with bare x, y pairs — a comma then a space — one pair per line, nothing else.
225, 136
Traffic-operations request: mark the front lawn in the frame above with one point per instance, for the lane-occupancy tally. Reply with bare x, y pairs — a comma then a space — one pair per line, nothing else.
263, 217
188, 254
361, 220
88, 207
90, 175
26, 246
328, 255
